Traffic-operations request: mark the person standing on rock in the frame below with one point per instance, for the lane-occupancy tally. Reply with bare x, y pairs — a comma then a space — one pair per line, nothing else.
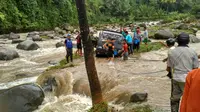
129, 41
146, 37
79, 44
69, 48
181, 60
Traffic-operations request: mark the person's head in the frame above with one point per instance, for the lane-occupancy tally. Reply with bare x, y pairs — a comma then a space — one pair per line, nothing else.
124, 41
126, 32
183, 39
69, 36
108, 39
124, 29
138, 27
145, 28
170, 42
113, 40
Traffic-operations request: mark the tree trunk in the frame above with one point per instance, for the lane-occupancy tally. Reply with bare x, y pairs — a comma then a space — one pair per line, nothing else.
95, 87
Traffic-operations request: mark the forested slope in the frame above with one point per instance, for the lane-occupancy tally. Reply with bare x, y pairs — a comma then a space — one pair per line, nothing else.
24, 15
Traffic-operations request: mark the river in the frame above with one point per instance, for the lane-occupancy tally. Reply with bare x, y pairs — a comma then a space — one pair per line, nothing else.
142, 73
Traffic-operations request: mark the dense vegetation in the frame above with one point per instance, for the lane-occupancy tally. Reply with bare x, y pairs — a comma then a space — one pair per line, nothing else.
23, 15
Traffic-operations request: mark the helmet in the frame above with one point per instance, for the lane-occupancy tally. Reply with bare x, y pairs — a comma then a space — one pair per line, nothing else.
170, 42
183, 39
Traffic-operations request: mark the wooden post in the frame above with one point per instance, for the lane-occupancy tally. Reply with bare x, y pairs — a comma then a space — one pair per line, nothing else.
95, 87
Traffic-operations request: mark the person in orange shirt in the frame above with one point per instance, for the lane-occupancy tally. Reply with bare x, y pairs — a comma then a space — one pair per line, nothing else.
125, 50
191, 95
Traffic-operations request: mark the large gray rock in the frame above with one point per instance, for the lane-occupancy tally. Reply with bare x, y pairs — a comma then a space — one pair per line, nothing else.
14, 36
27, 45
31, 34
139, 97
8, 54
36, 38
164, 34
182, 26
5, 36
194, 39
22, 98
15, 41
60, 44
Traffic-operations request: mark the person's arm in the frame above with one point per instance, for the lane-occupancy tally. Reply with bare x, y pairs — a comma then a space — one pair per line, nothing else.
195, 62
169, 63
105, 46
183, 104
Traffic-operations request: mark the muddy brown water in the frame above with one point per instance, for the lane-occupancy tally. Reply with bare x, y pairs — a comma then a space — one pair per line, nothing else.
141, 73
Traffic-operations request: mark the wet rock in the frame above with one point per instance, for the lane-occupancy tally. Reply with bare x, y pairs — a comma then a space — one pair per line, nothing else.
182, 26
51, 36
60, 44
195, 30
163, 34
22, 98
14, 36
37, 38
22, 75
8, 54
15, 41
194, 39
27, 45
31, 34
52, 62
5, 36
139, 97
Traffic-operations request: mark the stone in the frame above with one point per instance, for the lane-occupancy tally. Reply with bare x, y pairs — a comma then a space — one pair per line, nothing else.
182, 26
8, 54
60, 44
27, 45
21, 98
194, 39
31, 34
36, 38
15, 41
14, 36
139, 97
52, 62
5, 36
164, 34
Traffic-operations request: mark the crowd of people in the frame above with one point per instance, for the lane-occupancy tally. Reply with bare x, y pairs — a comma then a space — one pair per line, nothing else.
182, 65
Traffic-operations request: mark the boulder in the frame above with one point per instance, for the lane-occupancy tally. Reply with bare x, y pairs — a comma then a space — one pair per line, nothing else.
60, 44
46, 33
8, 54
36, 38
194, 39
27, 45
15, 41
182, 26
22, 98
163, 34
5, 36
31, 34
51, 36
139, 97
14, 36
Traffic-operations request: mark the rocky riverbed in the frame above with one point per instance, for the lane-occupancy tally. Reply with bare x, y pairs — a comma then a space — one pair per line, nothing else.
143, 72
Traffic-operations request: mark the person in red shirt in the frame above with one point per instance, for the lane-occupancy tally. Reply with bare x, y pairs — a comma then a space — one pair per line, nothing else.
79, 45
191, 95
125, 50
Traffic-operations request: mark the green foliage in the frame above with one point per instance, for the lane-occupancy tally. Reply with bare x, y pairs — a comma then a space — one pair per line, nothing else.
25, 15
145, 108
63, 64
102, 107
152, 46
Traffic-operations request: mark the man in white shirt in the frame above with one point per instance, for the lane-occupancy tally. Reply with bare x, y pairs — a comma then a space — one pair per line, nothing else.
181, 60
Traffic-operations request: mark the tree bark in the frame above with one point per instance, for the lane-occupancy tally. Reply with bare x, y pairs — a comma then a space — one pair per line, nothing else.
95, 87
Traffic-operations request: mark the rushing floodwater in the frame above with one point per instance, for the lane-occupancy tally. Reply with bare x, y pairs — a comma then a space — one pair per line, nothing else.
133, 76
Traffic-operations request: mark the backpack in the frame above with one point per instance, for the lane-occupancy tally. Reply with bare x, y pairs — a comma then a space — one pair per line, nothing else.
69, 44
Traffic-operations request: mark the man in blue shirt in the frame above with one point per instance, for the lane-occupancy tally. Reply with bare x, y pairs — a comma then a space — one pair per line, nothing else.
129, 42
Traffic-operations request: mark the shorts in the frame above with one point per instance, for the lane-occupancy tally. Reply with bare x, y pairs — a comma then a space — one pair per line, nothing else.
79, 46
145, 40
125, 56
110, 54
